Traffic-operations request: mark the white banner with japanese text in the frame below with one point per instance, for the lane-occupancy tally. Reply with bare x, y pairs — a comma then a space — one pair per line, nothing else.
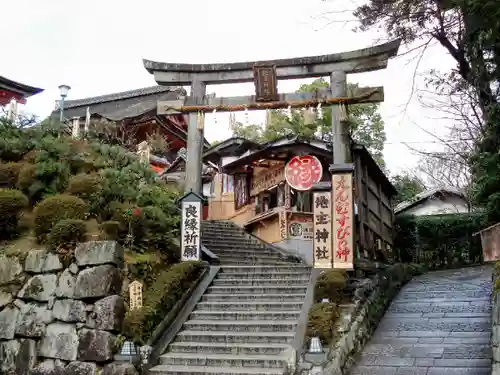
343, 221
322, 224
190, 231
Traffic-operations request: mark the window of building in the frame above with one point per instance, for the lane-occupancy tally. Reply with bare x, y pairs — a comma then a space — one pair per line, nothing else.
302, 201
241, 193
227, 184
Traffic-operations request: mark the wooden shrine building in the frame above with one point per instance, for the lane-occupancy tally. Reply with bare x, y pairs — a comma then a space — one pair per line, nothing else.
136, 113
267, 188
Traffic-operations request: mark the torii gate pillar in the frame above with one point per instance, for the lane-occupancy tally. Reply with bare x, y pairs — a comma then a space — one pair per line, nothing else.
194, 163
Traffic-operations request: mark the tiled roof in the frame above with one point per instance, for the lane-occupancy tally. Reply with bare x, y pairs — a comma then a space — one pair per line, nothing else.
425, 195
120, 96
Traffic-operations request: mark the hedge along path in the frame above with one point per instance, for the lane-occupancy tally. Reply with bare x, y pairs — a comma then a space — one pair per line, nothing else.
439, 324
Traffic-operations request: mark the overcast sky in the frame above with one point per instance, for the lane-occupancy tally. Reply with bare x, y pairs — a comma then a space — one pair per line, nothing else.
97, 46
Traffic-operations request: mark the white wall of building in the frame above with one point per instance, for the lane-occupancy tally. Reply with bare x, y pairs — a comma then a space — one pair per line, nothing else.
436, 206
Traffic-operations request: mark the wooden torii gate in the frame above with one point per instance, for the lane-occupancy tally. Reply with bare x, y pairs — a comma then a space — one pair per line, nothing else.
265, 75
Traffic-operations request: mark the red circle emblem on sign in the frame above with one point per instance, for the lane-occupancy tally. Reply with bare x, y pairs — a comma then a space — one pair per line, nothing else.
301, 172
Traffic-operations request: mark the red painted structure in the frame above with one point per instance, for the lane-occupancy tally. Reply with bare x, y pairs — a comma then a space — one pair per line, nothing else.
14, 90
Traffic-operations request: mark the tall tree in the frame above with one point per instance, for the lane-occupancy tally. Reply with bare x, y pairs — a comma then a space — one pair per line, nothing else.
366, 124
407, 186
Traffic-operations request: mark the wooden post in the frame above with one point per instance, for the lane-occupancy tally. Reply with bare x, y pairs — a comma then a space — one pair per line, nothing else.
194, 163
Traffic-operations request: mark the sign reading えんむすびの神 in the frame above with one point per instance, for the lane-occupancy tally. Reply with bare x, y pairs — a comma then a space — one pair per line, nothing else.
190, 233
342, 221
322, 224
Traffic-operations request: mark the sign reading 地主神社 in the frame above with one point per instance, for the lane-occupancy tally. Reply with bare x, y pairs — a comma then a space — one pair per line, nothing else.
190, 233
342, 221
322, 229
302, 172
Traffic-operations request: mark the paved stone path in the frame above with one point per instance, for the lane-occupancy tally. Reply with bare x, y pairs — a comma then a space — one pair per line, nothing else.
439, 324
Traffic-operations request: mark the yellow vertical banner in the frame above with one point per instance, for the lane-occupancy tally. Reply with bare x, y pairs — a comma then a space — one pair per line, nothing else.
343, 221
283, 225
322, 230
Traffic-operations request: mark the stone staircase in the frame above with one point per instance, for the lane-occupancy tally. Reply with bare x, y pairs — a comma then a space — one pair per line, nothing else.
246, 319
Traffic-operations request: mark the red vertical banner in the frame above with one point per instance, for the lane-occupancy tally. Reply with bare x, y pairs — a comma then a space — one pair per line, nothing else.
322, 230
343, 221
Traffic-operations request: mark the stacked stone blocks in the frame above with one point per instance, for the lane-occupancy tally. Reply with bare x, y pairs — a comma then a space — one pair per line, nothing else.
62, 320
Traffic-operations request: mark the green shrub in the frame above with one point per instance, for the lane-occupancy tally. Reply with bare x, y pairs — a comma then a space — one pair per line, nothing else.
159, 299
9, 173
88, 187
11, 203
66, 233
331, 285
439, 241
54, 209
322, 319
26, 177
110, 230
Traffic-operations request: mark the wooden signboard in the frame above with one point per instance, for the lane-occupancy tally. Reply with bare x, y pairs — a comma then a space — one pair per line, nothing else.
322, 221
135, 293
343, 221
283, 225
190, 241
266, 180
266, 84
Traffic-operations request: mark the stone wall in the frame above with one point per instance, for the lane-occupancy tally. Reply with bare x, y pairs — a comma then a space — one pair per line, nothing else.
61, 314
372, 297
495, 335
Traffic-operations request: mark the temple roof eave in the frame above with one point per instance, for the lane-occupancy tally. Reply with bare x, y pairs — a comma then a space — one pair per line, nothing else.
19, 88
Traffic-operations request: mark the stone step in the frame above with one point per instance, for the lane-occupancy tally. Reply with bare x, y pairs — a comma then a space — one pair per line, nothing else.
472, 351
227, 348
247, 253
232, 241
261, 281
257, 260
244, 315
262, 268
263, 275
249, 306
206, 370
244, 250
252, 297
240, 326
257, 289
233, 337
223, 360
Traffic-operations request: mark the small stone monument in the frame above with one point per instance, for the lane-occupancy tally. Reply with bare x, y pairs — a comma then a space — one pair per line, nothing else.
135, 290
